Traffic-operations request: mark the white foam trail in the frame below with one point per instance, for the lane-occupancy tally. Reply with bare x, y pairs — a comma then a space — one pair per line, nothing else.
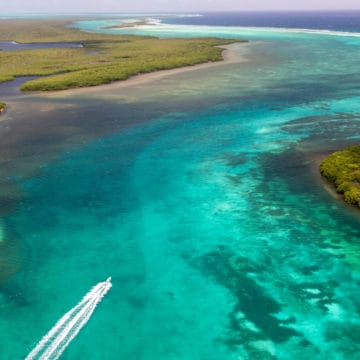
308, 31
53, 344
231, 30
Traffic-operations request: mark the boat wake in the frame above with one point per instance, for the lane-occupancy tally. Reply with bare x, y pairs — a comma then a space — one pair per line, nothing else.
53, 344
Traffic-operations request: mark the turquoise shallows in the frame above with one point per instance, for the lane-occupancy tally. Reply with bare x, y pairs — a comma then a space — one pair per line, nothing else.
210, 215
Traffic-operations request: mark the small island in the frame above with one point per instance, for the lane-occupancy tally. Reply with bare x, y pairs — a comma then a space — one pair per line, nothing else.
100, 59
343, 169
128, 24
2, 107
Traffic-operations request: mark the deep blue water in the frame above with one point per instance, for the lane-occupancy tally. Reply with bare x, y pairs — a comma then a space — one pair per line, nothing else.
320, 20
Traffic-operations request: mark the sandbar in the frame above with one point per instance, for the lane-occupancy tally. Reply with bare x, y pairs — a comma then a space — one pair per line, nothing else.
229, 55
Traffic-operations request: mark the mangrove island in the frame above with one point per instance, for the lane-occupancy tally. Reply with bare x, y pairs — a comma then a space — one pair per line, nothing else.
100, 58
343, 169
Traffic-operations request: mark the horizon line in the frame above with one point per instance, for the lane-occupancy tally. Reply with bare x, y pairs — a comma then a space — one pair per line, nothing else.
176, 12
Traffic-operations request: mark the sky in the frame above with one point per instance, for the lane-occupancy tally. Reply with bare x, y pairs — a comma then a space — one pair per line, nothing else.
17, 6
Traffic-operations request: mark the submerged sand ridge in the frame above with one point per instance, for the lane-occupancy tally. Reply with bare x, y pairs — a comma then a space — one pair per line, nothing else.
232, 54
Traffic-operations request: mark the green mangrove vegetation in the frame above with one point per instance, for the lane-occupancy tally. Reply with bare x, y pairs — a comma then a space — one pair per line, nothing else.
343, 169
2, 107
102, 59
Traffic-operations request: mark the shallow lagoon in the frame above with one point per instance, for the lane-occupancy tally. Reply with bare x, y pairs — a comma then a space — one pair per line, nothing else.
14, 46
199, 194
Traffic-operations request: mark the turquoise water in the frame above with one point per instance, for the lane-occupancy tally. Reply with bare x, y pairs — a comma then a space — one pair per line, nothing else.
199, 194
163, 29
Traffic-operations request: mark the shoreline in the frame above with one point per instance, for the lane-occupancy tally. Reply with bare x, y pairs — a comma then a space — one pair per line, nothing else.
329, 187
118, 56
340, 168
229, 56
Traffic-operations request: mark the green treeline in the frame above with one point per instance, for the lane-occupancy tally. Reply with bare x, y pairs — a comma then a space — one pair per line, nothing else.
102, 59
343, 169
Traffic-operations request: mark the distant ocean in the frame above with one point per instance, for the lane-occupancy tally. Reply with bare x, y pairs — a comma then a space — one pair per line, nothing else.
348, 21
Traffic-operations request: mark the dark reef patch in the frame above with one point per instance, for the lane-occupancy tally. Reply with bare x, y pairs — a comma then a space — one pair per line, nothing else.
234, 272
